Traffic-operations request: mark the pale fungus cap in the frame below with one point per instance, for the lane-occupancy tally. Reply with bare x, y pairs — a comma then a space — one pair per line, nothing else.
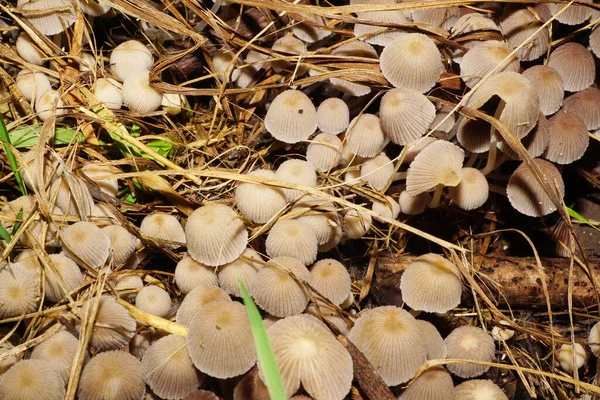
198, 298
27, 49
573, 15
484, 57
434, 384
85, 243
289, 45
277, 292
549, 86
32, 380
163, 227
123, 244
595, 41
258, 202
49, 104
220, 341
58, 350
369, 34
72, 195
431, 283
405, 115
442, 124
377, 171
251, 387
437, 164
354, 48
391, 209
244, 268
594, 339
320, 215
201, 395
311, 33
108, 185
586, 105
571, 358
329, 314
500, 333
469, 343
93, 8
130, 58
215, 235
468, 23
32, 84
356, 224
365, 136
291, 117
331, 279
225, 66
154, 300
479, 389
129, 282
575, 64
526, 194
112, 375
324, 152
87, 63
65, 275
333, 116
109, 91
472, 191
138, 95
568, 138
415, 147
172, 103
168, 368
299, 172
292, 238
434, 344
517, 25
18, 291
48, 23
412, 61
473, 134
391, 340
189, 274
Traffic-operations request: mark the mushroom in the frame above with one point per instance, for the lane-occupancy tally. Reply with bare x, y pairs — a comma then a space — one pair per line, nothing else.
94, 8
243, 269
138, 95
128, 282
377, 171
575, 64
130, 58
32, 379
571, 357
433, 384
291, 117
469, 343
27, 49
574, 15
585, 105
330, 314
109, 92
251, 387
292, 238
549, 86
356, 223
568, 138
333, 116
201, 395
289, 45
365, 136
86, 244
390, 209
312, 32
469, 23
173, 103
413, 205
48, 23
518, 25
405, 115
477, 389
258, 202
18, 291
49, 104
122, 244
434, 344
154, 300
298, 172
483, 58
320, 215
324, 152
594, 339
379, 35
331, 279
472, 191
354, 48
32, 84
225, 66
58, 350
111, 375
189, 274
198, 298
107, 184
62, 278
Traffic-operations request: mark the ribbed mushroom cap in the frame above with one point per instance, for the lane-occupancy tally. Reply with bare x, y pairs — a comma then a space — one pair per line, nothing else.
49, 23
586, 105
468, 23
568, 138
49, 104
331, 278
324, 152
368, 32
32, 380
72, 195
129, 282
484, 57
390, 339
288, 45
112, 375
472, 191
173, 103
595, 41
65, 275
473, 134
292, 238
522, 105
109, 92
257, 202
355, 48
215, 235
251, 387
225, 66
8, 361
535, 142
549, 86
434, 344
138, 95
573, 15
201, 395
377, 171
469, 343
415, 147
190, 274
220, 340
93, 8
391, 209
479, 389
198, 298
59, 351
517, 25
329, 314
154, 300
594, 339
405, 115
333, 116
277, 292
93, 171
123, 244
437, 164
113, 326
85, 243
168, 368
130, 58
244, 269
432, 17
442, 124
569, 361
291, 117
431, 283
365, 136
163, 226
310, 32
299, 172
356, 224
29, 262
320, 215
27, 49
434, 384
308, 354
18, 291
32, 84
412, 61
575, 64
525, 193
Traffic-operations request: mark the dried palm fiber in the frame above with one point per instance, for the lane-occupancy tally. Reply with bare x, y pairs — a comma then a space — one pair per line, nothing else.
154, 300
525, 193
277, 292
289, 45
431, 283
168, 368
130, 58
405, 115
225, 65
434, 344
484, 57
7, 360
243, 269
251, 387
32, 380
324, 152
586, 105
466, 24
356, 224
198, 298
258, 202
215, 235
320, 215
412, 61
413, 205
476, 389
333, 115
568, 138
28, 50
113, 326
59, 351
48, 22
594, 339
390, 339
437, 164
472, 191
331, 279
32, 84
330, 314
112, 375
139, 95
63, 277
72, 195
19, 291
369, 34
220, 340
520, 100
298, 172
377, 171
109, 92
535, 142
309, 355
434, 384
574, 15
473, 134
292, 238
365, 136
49, 104
389, 209
353, 49
415, 147
469, 343
575, 64
310, 32
86, 244
549, 86
571, 357
518, 25
189, 274
122, 243
94, 171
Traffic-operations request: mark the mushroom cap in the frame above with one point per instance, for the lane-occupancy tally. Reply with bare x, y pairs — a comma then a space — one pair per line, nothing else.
173, 103
198, 298
437, 164
469, 343
331, 278
484, 57
320, 215
27, 49
565, 357
138, 95
377, 171
112, 375
549, 86
329, 314
442, 124
413, 205
368, 33
65, 275
333, 116
244, 269
257, 202
215, 235
85, 243
434, 384
470, 23
122, 244
415, 148
130, 58
391, 340
32, 84
201, 395
109, 186
225, 66
354, 48
49, 23
306, 352
154, 300
434, 344
9, 360
586, 105
277, 292
220, 341
32, 380
573, 15
575, 64
299, 172
517, 25
324, 152
109, 92
477, 389
168, 368
365, 136
49, 104
405, 115
59, 351
412, 61
251, 387
525, 193
189, 274
18, 291
93, 8
595, 41
292, 238
391, 209
473, 134
594, 339
356, 224
313, 32
72, 195
291, 117
125, 281
431, 283
290, 45
568, 138
472, 191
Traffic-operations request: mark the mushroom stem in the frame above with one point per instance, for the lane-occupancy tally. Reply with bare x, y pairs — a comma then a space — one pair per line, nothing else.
399, 176
491, 161
497, 189
472, 158
437, 195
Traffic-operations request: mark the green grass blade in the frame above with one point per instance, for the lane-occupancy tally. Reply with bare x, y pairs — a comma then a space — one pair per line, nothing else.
11, 157
17, 224
4, 234
574, 214
263, 348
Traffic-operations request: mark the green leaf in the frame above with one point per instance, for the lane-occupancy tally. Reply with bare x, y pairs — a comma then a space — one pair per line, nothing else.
263, 348
11, 157
161, 147
27, 136
574, 214
17, 224
130, 199
4, 234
